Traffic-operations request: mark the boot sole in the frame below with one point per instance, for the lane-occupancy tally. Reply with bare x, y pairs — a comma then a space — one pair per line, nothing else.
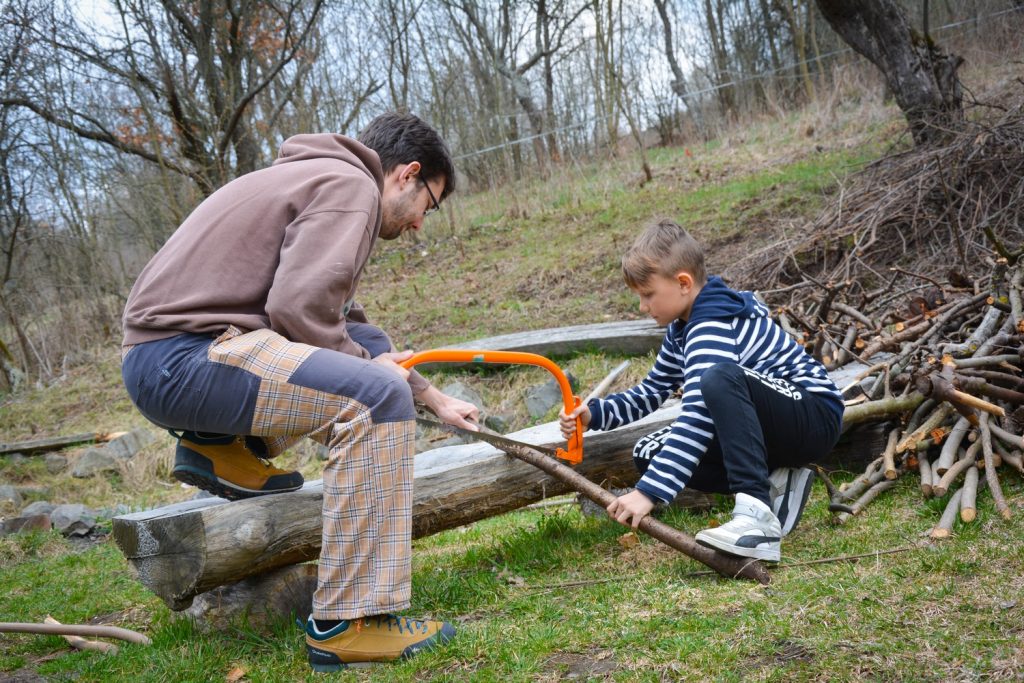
202, 479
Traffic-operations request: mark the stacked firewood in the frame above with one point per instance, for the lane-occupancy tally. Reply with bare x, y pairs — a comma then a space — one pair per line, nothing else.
942, 372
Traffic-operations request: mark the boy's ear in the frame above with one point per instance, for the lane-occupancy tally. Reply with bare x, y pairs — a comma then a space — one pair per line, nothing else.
685, 279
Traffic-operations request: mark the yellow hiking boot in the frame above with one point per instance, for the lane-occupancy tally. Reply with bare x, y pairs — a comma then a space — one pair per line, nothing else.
382, 638
226, 467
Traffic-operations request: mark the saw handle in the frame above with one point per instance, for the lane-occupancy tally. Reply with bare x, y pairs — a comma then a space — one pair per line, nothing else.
574, 454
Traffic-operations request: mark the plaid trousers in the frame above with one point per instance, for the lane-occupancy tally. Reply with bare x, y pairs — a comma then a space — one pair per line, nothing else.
260, 384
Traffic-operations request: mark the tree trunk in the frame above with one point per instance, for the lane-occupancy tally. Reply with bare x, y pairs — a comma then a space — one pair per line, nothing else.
921, 76
678, 83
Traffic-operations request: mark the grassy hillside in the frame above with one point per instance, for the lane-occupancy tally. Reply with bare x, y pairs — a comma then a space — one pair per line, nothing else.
548, 594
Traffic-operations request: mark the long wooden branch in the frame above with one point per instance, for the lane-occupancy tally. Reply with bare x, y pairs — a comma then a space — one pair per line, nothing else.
726, 565
76, 630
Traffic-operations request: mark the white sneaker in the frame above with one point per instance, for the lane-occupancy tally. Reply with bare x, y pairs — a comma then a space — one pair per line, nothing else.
790, 488
753, 531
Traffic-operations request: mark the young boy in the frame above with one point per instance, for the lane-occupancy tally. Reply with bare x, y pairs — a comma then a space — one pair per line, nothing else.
755, 409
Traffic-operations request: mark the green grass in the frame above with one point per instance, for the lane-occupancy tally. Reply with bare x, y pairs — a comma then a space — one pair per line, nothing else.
538, 594
547, 594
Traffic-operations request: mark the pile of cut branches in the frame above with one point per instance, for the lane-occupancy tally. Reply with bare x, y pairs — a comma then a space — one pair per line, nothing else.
943, 372
941, 211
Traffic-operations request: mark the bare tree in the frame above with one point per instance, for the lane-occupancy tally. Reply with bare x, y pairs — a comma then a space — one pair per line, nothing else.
501, 36
185, 79
922, 77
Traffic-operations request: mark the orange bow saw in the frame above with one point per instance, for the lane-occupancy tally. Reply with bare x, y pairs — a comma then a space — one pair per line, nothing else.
574, 454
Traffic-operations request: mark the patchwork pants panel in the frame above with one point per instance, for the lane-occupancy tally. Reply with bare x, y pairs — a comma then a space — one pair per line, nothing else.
261, 384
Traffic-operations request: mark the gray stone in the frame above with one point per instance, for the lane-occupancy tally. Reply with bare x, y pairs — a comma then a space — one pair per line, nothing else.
40, 507
542, 398
94, 461
465, 393
33, 491
73, 519
10, 499
15, 458
55, 463
501, 423
25, 523
127, 445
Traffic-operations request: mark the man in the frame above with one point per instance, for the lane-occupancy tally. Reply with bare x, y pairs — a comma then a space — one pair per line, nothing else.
242, 336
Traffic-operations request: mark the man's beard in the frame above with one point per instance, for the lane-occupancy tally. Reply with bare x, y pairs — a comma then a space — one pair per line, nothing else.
396, 215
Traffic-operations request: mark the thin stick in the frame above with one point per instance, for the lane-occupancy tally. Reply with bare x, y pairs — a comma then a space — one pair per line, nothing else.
958, 468
945, 526
603, 385
922, 432
990, 469
947, 456
872, 475
968, 503
76, 630
81, 643
927, 482
1011, 439
888, 459
863, 501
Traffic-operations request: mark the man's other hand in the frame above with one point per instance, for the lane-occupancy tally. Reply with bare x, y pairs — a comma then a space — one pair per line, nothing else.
451, 410
391, 361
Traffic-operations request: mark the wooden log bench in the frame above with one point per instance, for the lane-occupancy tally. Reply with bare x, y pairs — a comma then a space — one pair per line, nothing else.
183, 550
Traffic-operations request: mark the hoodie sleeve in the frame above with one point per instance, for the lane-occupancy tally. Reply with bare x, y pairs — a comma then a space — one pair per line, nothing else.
707, 343
321, 259
629, 406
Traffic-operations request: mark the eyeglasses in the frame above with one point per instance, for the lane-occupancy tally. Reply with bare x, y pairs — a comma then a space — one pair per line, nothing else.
433, 199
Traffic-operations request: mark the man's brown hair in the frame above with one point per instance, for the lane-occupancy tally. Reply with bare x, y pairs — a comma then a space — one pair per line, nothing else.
666, 249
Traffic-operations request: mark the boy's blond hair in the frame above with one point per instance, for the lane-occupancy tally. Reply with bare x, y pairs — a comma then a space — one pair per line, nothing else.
666, 249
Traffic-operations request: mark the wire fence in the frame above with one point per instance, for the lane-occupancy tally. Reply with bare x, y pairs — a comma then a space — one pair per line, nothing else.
692, 97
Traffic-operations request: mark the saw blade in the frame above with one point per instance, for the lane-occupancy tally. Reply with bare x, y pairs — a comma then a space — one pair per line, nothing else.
493, 439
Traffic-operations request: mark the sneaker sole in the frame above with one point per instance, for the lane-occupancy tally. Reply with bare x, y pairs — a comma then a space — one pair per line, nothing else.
766, 554
201, 479
789, 515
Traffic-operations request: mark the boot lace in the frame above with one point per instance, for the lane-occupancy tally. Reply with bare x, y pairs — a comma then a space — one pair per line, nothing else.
403, 624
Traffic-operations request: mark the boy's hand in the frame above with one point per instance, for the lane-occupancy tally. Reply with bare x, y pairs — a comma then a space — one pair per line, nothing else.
630, 508
567, 423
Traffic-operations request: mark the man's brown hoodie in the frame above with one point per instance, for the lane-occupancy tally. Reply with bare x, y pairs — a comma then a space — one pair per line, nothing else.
281, 248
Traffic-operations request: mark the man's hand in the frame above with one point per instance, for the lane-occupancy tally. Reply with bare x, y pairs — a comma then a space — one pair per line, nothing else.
391, 361
451, 410
567, 423
632, 506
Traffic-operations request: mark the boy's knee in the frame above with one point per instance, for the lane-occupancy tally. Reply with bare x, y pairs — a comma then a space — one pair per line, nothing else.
717, 379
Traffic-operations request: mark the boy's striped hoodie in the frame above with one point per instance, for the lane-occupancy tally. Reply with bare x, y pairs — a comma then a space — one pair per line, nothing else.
725, 326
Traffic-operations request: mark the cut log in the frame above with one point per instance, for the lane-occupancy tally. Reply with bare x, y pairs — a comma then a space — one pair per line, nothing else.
626, 337
182, 550
260, 600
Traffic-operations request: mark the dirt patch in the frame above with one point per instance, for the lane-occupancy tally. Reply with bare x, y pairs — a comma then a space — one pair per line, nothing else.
575, 666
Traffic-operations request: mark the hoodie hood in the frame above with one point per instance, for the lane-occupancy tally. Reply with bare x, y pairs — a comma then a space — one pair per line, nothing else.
716, 300
330, 146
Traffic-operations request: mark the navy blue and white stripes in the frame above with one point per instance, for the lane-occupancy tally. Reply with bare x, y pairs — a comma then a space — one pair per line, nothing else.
724, 326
